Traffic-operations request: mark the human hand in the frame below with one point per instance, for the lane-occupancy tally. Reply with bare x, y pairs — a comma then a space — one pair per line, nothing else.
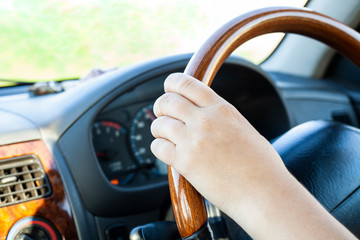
218, 151
210, 143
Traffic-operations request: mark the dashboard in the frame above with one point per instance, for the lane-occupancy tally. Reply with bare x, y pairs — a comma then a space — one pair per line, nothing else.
121, 131
98, 135
115, 165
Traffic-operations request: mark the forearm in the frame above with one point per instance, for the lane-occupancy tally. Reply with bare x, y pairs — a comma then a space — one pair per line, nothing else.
283, 209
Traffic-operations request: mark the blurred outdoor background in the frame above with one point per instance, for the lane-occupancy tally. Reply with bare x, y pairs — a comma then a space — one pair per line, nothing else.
59, 39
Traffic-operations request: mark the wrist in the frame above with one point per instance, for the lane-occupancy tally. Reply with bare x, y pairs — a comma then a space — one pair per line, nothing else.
260, 199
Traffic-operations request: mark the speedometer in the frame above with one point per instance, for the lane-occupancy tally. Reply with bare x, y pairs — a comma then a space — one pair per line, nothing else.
109, 139
141, 138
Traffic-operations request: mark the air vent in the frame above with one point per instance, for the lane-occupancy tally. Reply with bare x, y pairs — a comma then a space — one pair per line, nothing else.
22, 179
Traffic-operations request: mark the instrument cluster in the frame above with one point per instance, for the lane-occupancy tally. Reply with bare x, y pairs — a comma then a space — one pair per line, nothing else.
121, 139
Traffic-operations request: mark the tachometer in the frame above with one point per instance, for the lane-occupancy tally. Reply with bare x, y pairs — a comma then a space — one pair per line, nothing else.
109, 140
141, 138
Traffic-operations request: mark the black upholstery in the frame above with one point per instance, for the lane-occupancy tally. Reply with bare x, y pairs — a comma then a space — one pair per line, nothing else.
325, 158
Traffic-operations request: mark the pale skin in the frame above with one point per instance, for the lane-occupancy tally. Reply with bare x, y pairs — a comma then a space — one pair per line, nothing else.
218, 151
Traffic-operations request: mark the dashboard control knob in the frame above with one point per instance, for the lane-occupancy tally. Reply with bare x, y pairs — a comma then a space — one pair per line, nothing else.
34, 235
33, 228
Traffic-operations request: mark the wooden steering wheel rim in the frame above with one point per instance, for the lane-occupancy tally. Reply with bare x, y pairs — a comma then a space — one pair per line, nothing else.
188, 205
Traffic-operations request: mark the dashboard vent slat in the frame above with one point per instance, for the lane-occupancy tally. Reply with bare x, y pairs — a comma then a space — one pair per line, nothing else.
22, 179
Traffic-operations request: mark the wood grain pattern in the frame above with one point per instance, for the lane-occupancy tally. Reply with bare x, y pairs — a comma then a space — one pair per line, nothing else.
55, 208
211, 55
208, 59
186, 202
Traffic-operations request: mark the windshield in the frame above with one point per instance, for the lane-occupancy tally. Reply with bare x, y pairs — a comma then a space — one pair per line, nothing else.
61, 39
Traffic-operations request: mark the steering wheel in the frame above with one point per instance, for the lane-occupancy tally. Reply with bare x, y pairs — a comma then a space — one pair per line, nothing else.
188, 204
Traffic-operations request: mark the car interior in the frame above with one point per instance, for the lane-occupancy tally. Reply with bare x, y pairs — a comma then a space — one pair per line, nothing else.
75, 161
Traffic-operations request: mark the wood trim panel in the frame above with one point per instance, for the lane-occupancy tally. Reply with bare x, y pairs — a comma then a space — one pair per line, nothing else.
55, 208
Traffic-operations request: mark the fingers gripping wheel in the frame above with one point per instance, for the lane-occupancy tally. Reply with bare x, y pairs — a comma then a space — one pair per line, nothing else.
188, 205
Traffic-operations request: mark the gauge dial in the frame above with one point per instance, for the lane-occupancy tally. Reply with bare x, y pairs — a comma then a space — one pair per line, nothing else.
109, 140
141, 138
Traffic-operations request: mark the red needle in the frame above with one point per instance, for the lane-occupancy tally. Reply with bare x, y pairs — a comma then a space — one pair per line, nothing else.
151, 115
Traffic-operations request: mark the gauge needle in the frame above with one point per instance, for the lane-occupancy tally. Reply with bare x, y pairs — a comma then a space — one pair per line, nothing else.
107, 154
150, 114
99, 154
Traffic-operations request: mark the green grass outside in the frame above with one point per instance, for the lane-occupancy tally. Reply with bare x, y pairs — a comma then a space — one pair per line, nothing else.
63, 39
60, 39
